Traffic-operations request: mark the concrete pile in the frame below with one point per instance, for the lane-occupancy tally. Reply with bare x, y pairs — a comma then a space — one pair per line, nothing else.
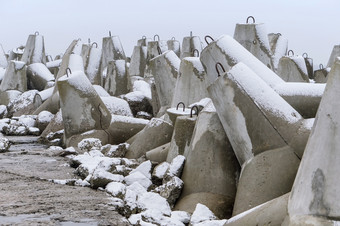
180, 135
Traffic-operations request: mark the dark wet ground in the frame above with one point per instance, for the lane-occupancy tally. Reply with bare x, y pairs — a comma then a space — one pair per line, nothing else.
28, 198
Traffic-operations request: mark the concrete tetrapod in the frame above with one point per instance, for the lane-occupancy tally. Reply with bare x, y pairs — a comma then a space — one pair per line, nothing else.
116, 81
266, 176
138, 61
190, 84
15, 77
316, 190
256, 118
211, 168
270, 213
278, 45
334, 54
92, 65
165, 69
181, 137
254, 38
156, 133
112, 49
34, 50
71, 59
320, 76
304, 97
38, 76
3, 58
293, 69
175, 46
189, 45
82, 108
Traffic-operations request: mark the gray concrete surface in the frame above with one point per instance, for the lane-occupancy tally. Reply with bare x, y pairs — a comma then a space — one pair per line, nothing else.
28, 198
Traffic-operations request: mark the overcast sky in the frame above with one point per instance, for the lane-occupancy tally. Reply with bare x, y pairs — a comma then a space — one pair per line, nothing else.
309, 25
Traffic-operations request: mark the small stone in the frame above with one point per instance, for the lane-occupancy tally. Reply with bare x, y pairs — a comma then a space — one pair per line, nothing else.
116, 189
159, 172
33, 131
4, 144
171, 190
88, 144
175, 168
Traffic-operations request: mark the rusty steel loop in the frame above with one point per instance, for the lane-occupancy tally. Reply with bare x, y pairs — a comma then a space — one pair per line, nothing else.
279, 34
250, 17
50, 57
196, 110
94, 43
173, 38
180, 103
89, 41
196, 51
291, 51
254, 42
36, 33
154, 37
321, 66
144, 37
208, 36
218, 71
305, 55
68, 70
79, 39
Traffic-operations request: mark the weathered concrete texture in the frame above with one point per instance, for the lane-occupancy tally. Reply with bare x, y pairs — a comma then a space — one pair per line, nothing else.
112, 49
320, 76
8, 96
82, 108
278, 46
309, 220
270, 213
156, 133
123, 128
15, 77
293, 69
158, 154
34, 50
229, 52
38, 76
316, 189
175, 112
165, 69
92, 65
116, 81
189, 44
181, 137
85, 50
256, 119
265, 177
155, 102
175, 46
211, 165
254, 38
335, 53
3, 58
71, 59
190, 85
138, 61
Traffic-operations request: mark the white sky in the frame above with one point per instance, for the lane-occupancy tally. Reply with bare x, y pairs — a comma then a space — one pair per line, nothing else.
309, 25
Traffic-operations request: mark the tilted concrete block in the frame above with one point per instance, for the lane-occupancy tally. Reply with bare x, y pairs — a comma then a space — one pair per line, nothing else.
211, 165
15, 77
145, 140
92, 64
256, 118
279, 46
116, 81
34, 50
316, 190
264, 177
175, 46
334, 54
82, 108
254, 38
38, 76
190, 84
293, 69
165, 69
304, 97
138, 61
189, 45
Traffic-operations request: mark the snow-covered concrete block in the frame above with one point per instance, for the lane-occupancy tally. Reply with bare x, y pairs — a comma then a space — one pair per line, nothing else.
43, 119
138, 177
89, 143
116, 189
171, 190
145, 168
